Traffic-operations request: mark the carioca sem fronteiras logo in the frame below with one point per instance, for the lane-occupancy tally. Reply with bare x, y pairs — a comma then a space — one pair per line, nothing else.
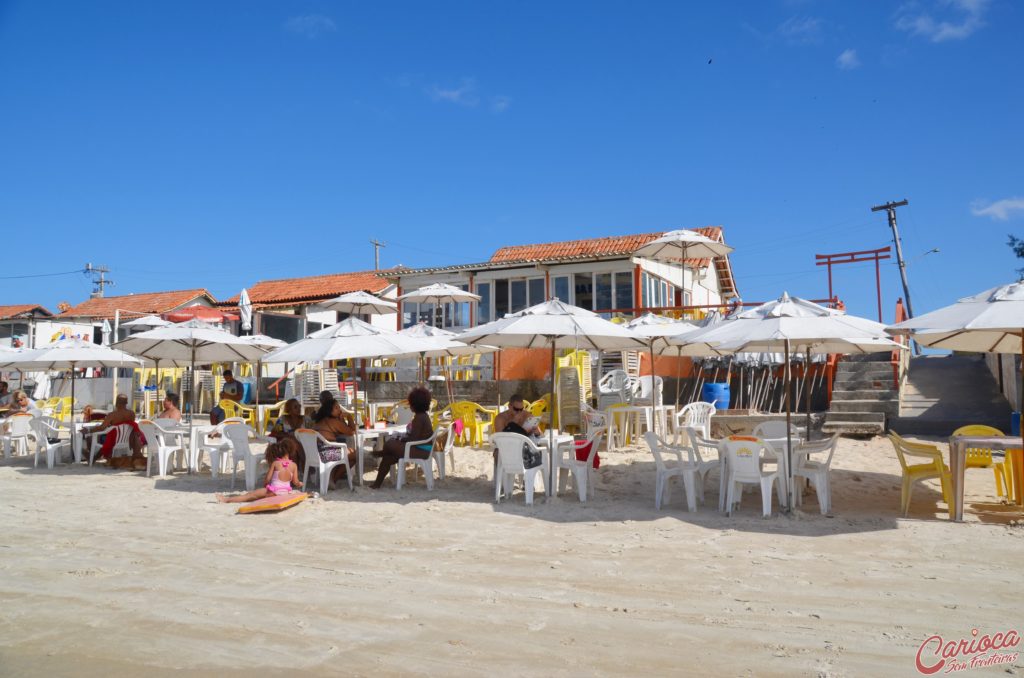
937, 654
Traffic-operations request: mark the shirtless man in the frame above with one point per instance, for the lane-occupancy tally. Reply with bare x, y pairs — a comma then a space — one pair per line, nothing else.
120, 415
511, 420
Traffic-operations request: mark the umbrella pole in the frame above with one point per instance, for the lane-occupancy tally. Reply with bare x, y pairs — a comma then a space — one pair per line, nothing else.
551, 428
71, 417
789, 436
807, 388
679, 375
654, 413
1020, 394
259, 371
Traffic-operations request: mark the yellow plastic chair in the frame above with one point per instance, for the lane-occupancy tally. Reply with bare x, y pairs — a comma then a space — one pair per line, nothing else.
271, 415
244, 412
982, 458
935, 467
474, 426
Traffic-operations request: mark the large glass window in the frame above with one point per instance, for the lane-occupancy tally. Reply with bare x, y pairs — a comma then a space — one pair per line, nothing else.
287, 328
537, 295
483, 307
623, 291
500, 299
584, 288
561, 284
603, 292
517, 294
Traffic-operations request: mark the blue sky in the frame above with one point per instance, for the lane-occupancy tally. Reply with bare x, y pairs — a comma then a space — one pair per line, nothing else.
213, 144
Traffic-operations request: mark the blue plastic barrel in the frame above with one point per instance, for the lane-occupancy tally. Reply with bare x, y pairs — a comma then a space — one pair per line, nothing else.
1015, 424
247, 396
717, 394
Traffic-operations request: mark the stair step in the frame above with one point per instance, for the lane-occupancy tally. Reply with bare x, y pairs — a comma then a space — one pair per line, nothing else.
864, 394
862, 384
854, 428
856, 416
887, 406
881, 356
864, 369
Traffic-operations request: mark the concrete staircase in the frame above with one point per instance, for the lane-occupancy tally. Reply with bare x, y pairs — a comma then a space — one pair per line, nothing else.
945, 392
864, 395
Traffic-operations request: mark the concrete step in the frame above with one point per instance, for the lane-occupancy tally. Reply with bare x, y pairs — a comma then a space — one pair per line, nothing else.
865, 372
857, 416
864, 394
856, 382
866, 357
853, 428
888, 406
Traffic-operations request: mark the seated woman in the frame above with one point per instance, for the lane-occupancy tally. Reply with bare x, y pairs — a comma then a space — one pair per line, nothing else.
335, 425
170, 410
290, 420
419, 428
20, 403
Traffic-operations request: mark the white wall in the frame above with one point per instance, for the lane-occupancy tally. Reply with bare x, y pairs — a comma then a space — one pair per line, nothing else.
95, 391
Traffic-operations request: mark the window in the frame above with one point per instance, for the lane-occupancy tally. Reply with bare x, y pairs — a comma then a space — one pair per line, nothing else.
500, 298
623, 291
584, 289
537, 295
603, 292
561, 284
517, 292
483, 307
287, 328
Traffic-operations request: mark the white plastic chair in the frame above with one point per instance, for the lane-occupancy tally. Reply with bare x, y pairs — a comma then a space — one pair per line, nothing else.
614, 387
817, 471
238, 435
403, 415
776, 429
595, 419
44, 429
308, 438
218, 448
695, 415
158, 448
19, 430
425, 465
510, 465
449, 450
665, 472
744, 467
582, 472
122, 434
705, 456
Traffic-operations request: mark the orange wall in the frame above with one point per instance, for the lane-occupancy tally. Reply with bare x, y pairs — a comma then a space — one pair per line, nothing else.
524, 363
666, 366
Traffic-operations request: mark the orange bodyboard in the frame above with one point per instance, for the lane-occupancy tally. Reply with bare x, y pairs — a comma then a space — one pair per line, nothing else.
278, 502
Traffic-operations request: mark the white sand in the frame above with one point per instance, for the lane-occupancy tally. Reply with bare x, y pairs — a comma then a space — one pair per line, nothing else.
110, 573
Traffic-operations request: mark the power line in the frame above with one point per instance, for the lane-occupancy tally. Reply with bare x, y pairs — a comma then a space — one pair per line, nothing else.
38, 275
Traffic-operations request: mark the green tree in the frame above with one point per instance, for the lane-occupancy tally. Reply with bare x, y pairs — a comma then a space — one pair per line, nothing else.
1017, 245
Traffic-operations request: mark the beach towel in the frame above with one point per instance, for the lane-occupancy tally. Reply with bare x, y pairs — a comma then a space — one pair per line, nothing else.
583, 451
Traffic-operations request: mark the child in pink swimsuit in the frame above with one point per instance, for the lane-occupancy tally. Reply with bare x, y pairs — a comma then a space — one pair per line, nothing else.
282, 475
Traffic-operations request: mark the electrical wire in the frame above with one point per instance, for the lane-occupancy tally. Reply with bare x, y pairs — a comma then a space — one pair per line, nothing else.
40, 275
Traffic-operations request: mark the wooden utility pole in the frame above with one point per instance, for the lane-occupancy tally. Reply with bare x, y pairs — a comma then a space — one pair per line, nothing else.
376, 252
98, 280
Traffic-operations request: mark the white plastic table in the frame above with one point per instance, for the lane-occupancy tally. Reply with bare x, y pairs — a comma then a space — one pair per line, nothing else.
377, 434
958, 446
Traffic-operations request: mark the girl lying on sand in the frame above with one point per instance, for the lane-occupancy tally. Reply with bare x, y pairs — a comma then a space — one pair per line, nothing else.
282, 475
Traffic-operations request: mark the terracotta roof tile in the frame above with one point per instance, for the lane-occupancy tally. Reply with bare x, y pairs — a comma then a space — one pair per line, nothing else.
312, 288
590, 247
15, 310
143, 304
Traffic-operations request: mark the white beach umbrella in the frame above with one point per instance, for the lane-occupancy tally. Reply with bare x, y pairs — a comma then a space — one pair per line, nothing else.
988, 322
245, 310
68, 354
147, 322
440, 293
554, 324
791, 321
681, 245
657, 331
351, 338
191, 342
445, 344
360, 303
105, 332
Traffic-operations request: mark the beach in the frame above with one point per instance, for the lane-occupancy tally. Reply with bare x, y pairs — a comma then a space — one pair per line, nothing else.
110, 573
